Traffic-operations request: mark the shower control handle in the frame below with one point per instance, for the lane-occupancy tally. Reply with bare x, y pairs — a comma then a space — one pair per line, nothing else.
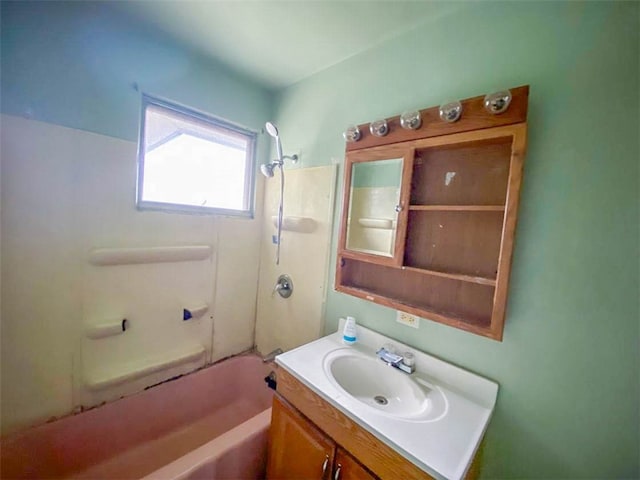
284, 286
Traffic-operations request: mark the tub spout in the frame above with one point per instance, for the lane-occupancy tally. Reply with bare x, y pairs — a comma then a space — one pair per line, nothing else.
271, 356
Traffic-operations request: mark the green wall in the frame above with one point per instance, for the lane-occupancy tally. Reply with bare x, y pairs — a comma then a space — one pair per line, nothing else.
76, 63
568, 367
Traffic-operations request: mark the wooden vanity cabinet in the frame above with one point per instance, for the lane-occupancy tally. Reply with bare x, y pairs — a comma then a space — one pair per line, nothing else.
298, 450
306, 431
348, 468
456, 219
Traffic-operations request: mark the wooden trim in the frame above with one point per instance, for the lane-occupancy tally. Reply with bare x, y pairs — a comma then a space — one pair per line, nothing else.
383, 153
447, 319
381, 459
454, 276
458, 208
454, 139
403, 215
346, 196
474, 117
508, 230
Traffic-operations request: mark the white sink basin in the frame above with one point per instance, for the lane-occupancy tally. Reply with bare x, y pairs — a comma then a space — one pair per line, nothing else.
435, 417
377, 385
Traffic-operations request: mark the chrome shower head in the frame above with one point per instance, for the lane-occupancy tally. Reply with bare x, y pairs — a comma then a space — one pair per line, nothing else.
273, 131
267, 169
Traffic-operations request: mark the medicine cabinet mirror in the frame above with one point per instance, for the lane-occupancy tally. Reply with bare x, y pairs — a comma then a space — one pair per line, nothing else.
375, 204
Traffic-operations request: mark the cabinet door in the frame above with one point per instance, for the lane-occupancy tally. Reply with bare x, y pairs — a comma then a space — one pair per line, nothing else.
375, 204
297, 449
347, 468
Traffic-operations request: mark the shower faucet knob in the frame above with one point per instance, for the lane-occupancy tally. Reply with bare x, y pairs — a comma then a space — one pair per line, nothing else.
284, 286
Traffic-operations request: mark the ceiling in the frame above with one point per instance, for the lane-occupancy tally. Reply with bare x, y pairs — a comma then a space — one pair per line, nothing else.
278, 43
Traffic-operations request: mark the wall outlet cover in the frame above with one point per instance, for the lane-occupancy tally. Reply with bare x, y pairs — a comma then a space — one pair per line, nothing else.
408, 319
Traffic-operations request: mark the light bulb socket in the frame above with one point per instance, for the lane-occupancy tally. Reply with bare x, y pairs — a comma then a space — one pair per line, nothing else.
410, 120
498, 102
352, 134
379, 128
450, 112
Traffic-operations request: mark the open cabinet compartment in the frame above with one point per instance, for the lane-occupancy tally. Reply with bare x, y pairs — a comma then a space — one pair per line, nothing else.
459, 303
457, 222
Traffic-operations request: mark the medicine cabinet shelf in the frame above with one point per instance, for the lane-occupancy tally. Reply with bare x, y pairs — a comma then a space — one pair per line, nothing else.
453, 200
379, 223
462, 208
454, 276
470, 322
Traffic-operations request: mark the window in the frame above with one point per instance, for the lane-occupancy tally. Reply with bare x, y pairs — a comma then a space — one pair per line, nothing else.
190, 162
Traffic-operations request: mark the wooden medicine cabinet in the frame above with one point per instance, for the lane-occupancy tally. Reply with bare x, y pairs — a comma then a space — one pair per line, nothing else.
429, 215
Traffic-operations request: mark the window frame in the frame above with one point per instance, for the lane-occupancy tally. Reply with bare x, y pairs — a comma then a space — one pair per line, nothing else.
210, 120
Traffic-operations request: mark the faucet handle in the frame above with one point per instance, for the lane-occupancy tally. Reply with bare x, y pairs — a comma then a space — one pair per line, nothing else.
409, 359
389, 357
390, 347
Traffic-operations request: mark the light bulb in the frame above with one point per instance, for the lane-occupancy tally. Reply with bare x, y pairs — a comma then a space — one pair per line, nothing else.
497, 102
352, 134
411, 120
450, 112
379, 128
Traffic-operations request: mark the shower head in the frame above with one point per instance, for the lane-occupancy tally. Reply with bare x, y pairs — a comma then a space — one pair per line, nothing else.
273, 131
267, 169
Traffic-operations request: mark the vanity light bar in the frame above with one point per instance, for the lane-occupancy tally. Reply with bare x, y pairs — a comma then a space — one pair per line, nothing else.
504, 107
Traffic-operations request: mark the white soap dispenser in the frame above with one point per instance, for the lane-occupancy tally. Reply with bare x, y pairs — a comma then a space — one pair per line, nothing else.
349, 335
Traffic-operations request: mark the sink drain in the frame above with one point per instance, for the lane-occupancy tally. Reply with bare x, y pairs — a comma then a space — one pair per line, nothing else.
380, 400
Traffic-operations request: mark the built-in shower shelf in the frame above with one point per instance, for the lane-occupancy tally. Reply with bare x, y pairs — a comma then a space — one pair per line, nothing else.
296, 224
130, 256
130, 372
380, 223
106, 328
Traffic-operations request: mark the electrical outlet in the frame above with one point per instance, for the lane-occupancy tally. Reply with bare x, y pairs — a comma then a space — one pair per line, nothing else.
408, 319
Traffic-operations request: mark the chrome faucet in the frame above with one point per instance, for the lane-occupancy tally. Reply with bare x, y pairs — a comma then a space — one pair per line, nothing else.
405, 363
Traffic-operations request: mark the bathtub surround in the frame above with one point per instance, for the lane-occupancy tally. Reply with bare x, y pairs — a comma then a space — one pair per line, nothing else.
152, 297
68, 187
286, 323
57, 207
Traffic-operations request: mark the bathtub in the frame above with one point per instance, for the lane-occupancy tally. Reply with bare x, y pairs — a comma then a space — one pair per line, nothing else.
210, 424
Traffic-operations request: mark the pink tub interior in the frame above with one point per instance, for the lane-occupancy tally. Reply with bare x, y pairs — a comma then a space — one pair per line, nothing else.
138, 435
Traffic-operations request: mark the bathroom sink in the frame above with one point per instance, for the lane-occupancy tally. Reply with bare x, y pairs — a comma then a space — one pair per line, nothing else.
434, 417
390, 392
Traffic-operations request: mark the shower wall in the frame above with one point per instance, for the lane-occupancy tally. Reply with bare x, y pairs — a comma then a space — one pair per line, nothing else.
66, 192
304, 256
68, 69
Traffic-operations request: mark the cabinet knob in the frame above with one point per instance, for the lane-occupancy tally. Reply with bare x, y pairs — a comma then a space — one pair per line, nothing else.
398, 208
324, 466
336, 476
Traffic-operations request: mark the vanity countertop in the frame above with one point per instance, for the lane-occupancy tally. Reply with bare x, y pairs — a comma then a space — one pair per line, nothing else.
442, 445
